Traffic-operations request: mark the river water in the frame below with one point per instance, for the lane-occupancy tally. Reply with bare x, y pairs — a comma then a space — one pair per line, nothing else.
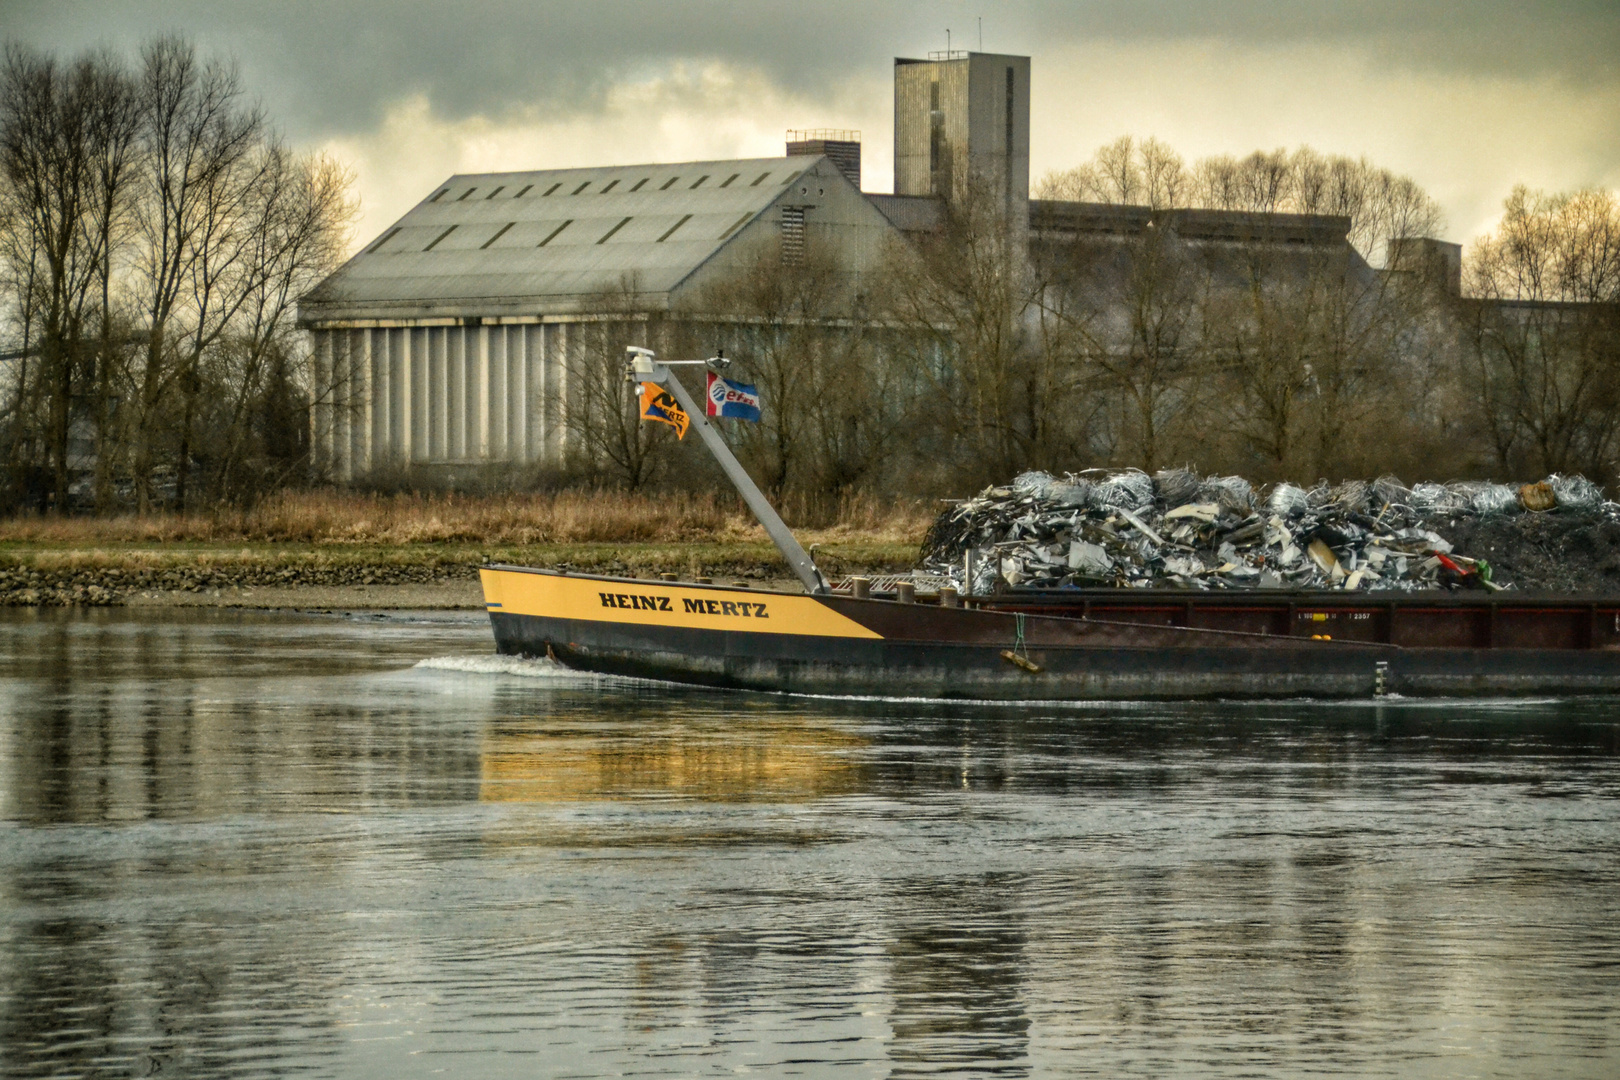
270, 844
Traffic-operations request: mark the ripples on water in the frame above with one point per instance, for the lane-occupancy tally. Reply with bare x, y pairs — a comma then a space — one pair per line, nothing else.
245, 844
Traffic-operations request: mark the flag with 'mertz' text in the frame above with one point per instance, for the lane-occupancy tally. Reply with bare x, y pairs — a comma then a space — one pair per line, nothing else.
659, 404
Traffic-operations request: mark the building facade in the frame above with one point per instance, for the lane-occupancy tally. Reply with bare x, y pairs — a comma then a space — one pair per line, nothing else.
447, 341
451, 340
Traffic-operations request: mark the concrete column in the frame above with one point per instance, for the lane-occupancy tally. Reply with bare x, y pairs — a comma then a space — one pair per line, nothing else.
489, 403
320, 413
554, 405
427, 392
334, 401
427, 389
407, 391
433, 395
455, 364
440, 402
537, 394
511, 353
475, 362
387, 453
575, 341
424, 385
366, 411
342, 401
468, 415
430, 394
543, 400
354, 403
384, 442
520, 340
442, 450
514, 394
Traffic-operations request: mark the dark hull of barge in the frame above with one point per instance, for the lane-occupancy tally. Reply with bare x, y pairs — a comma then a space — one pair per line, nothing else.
1077, 645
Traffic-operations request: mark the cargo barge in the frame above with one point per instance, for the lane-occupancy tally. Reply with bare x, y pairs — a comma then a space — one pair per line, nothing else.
1101, 644
1026, 645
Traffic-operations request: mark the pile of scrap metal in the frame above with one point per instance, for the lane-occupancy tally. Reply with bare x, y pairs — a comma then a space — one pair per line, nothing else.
1176, 529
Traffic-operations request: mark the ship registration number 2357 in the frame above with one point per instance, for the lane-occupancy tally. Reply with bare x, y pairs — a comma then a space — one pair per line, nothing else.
689, 606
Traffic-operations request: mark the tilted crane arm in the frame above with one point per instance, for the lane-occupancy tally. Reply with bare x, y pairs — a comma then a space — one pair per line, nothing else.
644, 367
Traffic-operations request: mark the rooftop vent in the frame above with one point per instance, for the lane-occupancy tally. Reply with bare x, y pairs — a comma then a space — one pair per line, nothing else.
842, 147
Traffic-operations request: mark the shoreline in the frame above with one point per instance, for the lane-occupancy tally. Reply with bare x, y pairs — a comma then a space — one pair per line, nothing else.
448, 595
371, 577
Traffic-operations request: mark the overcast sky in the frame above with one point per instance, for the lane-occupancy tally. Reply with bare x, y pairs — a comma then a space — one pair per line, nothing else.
1468, 98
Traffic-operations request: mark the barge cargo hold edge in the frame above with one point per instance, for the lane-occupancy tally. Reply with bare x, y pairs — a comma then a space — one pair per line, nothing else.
1093, 645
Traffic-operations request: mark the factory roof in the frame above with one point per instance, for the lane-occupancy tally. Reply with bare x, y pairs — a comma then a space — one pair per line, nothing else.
911, 213
558, 233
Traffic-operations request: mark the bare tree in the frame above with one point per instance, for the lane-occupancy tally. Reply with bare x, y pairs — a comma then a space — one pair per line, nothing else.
1265, 182
154, 240
294, 230
834, 405
778, 338
1551, 248
1164, 175
1125, 171
608, 442
1543, 337
1119, 171
1323, 365
1256, 338
1120, 315
64, 139
200, 144
965, 299
1381, 205
19, 264
1217, 183
115, 127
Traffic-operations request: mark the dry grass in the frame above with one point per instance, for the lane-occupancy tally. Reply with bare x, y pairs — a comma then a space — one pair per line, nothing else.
743, 559
331, 517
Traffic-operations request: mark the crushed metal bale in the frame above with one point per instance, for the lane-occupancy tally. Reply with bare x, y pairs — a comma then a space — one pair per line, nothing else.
1176, 529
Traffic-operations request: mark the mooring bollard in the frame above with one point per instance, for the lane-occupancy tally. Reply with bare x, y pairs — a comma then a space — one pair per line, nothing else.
905, 592
948, 597
670, 577
860, 588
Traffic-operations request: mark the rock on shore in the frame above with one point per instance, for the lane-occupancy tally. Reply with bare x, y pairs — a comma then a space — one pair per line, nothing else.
99, 586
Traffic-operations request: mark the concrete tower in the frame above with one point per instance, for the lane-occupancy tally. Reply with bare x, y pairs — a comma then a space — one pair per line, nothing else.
961, 123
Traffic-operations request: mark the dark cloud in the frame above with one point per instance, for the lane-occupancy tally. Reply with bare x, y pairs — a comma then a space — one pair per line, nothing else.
336, 66
1578, 40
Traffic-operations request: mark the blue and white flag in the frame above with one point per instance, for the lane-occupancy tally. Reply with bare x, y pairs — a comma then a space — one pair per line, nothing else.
727, 398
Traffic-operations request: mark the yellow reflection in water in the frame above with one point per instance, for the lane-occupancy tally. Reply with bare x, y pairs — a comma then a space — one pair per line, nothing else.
721, 759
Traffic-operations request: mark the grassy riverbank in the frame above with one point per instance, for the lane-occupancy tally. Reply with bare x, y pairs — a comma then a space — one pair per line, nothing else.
330, 540
568, 517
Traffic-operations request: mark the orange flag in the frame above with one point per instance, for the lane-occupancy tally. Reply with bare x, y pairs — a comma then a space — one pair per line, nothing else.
659, 404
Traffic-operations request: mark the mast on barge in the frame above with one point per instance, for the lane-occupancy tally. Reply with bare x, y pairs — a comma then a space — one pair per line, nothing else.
645, 367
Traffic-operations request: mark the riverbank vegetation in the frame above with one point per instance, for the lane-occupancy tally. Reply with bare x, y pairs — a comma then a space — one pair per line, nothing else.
330, 538
339, 519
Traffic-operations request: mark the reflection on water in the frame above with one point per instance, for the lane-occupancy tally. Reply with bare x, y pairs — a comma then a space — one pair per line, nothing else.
645, 752
248, 844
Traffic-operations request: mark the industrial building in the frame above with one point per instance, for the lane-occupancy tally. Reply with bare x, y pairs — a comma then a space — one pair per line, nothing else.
444, 340
447, 342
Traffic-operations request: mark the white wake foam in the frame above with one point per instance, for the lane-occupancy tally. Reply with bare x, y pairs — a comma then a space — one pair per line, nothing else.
495, 664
